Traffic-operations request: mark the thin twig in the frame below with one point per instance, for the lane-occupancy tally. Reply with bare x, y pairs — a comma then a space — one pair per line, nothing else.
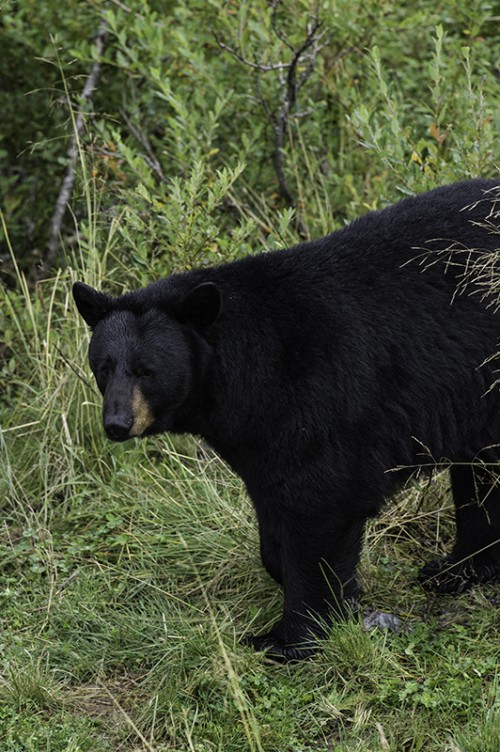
76, 371
274, 25
126, 716
125, 8
150, 157
263, 67
69, 178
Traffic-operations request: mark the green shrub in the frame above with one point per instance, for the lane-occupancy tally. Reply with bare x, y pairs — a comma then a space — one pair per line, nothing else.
128, 574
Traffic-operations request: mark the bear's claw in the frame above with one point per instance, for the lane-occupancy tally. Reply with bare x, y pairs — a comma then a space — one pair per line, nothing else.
279, 652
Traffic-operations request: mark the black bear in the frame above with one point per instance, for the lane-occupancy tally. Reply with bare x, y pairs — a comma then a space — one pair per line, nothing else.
317, 370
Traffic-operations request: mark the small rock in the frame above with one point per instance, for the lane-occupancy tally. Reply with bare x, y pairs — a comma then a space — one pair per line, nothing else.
381, 620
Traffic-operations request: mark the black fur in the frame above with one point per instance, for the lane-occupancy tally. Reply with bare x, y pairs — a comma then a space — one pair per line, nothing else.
314, 372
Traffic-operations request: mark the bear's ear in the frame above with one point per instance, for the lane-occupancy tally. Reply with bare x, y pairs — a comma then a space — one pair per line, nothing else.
202, 305
92, 304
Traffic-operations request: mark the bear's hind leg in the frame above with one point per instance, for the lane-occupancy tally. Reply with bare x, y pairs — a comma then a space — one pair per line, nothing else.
476, 554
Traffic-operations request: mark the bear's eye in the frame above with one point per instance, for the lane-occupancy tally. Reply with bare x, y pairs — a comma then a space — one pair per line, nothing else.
104, 371
142, 373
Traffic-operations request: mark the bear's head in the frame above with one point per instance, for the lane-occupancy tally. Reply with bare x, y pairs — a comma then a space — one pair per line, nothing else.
149, 356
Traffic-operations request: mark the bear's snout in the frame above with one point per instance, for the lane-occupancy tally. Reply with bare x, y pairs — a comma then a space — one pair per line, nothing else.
118, 427
125, 418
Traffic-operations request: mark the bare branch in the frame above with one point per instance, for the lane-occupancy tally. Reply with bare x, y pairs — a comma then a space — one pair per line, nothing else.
150, 157
125, 8
274, 25
316, 49
69, 178
257, 66
290, 83
292, 86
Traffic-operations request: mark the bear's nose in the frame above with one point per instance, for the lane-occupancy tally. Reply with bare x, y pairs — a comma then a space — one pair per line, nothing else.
117, 429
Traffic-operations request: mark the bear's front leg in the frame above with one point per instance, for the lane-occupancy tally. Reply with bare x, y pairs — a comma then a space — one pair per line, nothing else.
319, 555
270, 543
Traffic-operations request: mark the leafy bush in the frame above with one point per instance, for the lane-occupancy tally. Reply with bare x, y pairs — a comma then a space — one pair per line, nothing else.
397, 99
130, 573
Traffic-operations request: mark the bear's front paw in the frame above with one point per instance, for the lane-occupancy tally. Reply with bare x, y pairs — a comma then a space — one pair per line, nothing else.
278, 650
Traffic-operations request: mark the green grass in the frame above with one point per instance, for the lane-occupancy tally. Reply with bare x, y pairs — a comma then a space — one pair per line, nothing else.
130, 574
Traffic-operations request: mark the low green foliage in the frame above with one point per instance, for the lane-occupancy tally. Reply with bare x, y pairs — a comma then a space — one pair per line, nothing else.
129, 574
